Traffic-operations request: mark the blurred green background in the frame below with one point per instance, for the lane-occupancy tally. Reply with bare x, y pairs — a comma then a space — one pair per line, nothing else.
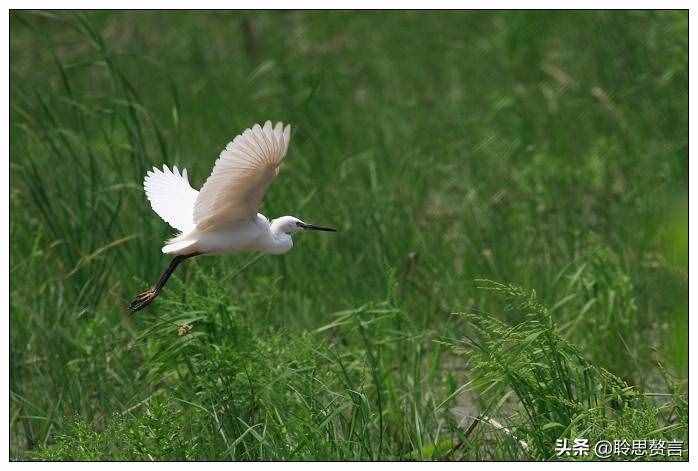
546, 149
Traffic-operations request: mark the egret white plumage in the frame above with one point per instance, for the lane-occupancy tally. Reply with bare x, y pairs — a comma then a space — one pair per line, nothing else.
222, 217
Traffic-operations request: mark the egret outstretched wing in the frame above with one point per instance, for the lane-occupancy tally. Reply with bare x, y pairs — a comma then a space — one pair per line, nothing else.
171, 196
241, 175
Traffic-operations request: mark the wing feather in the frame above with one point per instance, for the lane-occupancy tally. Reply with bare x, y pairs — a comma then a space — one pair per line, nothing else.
241, 175
171, 196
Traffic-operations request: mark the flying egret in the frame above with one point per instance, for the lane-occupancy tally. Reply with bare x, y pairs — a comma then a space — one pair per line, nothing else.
222, 217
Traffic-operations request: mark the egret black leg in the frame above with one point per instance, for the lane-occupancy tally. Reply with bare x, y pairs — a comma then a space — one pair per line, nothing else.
148, 296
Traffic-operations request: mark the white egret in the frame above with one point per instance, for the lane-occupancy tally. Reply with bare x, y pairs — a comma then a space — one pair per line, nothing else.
222, 217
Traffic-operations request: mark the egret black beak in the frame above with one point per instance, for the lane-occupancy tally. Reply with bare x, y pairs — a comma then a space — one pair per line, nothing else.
316, 228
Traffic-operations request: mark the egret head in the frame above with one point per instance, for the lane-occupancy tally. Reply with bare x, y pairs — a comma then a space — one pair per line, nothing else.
291, 225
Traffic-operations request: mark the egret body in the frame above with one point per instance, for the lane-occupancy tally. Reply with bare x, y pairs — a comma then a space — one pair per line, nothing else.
222, 217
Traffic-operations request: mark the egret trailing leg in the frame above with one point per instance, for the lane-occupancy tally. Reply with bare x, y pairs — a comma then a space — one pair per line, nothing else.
148, 296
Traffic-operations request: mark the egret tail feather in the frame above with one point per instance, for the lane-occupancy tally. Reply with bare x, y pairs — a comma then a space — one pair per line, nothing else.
178, 246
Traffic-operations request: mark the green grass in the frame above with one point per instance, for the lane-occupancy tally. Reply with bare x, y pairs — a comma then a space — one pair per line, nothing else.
547, 150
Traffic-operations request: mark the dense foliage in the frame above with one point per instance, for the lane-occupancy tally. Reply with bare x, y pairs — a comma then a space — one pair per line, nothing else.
544, 149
